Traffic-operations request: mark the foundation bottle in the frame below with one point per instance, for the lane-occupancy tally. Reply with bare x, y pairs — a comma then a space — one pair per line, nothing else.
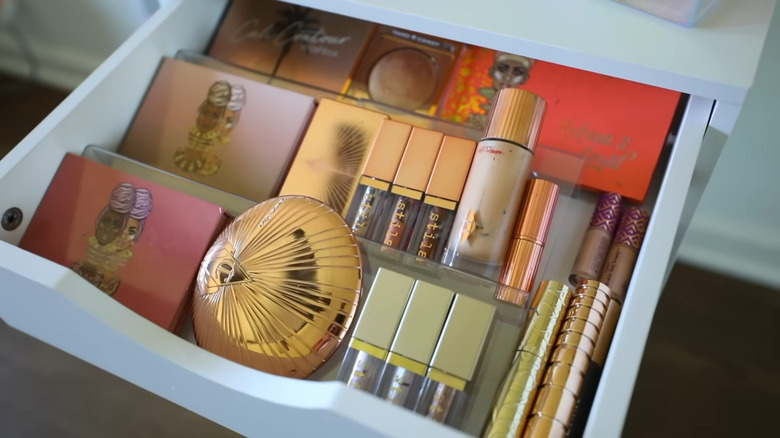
442, 195
530, 235
372, 195
621, 258
409, 186
494, 188
598, 237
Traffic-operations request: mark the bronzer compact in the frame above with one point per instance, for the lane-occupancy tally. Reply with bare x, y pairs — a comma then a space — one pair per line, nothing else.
278, 289
404, 69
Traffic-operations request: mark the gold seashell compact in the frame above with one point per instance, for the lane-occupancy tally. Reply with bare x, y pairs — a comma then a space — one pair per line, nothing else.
279, 288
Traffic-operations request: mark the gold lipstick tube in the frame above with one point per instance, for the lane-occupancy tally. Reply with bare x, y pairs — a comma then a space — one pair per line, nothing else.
455, 360
530, 234
564, 377
520, 385
414, 343
374, 331
372, 195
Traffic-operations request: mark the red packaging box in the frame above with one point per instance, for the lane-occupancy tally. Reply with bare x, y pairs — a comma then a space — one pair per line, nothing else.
617, 127
135, 240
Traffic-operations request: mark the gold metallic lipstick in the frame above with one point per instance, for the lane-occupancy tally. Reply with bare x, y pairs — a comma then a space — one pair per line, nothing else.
414, 343
374, 331
556, 400
519, 388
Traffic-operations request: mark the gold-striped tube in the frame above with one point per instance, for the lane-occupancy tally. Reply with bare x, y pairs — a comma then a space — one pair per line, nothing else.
519, 387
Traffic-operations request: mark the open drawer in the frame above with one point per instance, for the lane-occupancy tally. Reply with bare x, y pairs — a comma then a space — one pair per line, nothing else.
52, 303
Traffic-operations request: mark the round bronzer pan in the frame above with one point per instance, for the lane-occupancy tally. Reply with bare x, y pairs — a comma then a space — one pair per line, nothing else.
405, 78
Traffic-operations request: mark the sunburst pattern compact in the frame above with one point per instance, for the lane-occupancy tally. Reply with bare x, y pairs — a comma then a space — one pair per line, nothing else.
332, 154
279, 288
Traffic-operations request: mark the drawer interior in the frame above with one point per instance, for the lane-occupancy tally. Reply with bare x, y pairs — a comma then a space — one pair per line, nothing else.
99, 113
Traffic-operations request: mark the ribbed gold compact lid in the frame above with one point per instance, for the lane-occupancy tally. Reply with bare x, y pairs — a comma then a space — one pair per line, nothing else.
516, 115
278, 289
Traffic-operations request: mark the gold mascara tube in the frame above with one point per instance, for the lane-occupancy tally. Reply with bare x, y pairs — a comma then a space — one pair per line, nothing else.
519, 387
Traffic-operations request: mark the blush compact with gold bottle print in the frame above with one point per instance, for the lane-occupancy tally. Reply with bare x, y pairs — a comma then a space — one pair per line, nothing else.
131, 238
404, 69
297, 43
332, 154
279, 288
219, 129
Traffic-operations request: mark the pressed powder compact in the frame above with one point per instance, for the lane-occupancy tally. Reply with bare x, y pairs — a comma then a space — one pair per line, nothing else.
278, 289
404, 69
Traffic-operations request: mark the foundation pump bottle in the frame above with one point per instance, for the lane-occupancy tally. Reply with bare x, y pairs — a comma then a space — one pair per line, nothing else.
494, 189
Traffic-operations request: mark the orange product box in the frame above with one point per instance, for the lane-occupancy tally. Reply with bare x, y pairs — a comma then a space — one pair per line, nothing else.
617, 127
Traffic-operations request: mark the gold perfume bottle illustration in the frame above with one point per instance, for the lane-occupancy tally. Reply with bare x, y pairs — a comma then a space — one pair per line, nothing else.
117, 228
217, 116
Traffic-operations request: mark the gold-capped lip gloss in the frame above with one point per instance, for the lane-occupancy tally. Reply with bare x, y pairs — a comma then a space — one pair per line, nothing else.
414, 343
530, 235
518, 390
377, 176
597, 239
619, 264
442, 196
409, 185
456, 357
375, 329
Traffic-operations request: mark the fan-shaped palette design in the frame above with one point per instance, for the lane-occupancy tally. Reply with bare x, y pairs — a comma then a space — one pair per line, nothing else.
278, 289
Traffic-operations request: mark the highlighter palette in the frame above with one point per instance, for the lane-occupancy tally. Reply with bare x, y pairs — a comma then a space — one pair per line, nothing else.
404, 69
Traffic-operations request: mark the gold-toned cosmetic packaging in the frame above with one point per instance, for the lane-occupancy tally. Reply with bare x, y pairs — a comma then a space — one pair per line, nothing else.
374, 330
597, 239
491, 198
441, 197
623, 252
332, 154
519, 388
373, 193
530, 235
457, 354
414, 343
408, 188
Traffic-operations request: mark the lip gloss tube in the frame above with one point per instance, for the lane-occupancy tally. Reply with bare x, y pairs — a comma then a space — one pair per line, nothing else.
596, 241
368, 349
518, 390
530, 235
372, 195
455, 360
494, 188
441, 197
414, 343
409, 185
621, 258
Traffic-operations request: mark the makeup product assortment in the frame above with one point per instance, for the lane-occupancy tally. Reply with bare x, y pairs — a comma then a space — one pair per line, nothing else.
316, 235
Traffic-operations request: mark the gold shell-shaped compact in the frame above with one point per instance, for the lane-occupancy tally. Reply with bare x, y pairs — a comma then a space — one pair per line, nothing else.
278, 289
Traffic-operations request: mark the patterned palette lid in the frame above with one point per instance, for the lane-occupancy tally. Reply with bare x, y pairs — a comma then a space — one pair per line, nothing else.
279, 288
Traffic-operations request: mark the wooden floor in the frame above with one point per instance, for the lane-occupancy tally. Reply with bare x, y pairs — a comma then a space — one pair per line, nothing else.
711, 366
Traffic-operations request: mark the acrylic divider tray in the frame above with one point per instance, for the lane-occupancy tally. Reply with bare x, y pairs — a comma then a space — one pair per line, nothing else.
508, 321
411, 117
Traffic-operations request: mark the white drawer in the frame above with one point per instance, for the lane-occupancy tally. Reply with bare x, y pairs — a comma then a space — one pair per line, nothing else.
55, 305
